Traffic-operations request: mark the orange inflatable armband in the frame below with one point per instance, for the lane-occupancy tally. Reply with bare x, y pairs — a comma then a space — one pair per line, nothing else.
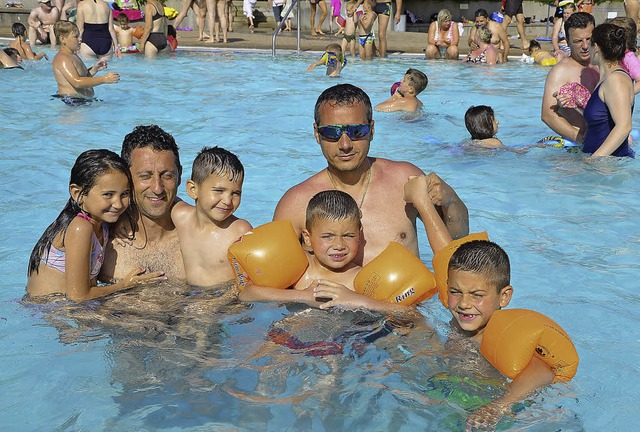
396, 276
172, 42
270, 255
441, 263
514, 336
138, 32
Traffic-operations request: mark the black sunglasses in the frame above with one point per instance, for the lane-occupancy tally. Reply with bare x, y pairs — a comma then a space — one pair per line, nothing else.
335, 132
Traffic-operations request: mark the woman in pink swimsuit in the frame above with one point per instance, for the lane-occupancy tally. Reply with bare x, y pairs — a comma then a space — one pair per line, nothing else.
443, 38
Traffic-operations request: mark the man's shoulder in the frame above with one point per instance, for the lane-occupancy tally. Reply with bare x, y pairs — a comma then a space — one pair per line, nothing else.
390, 166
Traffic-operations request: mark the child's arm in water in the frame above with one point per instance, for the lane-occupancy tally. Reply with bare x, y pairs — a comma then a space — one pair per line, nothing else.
80, 286
341, 296
256, 293
536, 375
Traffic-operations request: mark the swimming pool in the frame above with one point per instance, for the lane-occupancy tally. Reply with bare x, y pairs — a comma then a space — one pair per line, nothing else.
174, 359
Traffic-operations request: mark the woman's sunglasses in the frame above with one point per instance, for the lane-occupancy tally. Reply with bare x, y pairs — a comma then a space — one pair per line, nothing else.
335, 132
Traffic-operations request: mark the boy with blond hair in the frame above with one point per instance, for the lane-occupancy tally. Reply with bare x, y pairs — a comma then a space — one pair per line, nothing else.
333, 59
73, 78
207, 229
405, 97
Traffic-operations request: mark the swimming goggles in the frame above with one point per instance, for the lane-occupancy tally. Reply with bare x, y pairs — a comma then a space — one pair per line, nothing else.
335, 132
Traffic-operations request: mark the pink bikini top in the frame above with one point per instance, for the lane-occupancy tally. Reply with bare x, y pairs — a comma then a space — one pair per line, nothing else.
56, 258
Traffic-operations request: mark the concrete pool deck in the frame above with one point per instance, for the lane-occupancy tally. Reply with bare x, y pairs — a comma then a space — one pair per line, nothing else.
398, 43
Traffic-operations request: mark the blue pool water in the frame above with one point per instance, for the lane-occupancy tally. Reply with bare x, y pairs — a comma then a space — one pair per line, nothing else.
170, 358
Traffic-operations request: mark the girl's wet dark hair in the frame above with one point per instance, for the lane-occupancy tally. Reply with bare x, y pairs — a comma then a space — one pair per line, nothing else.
479, 122
612, 41
18, 29
89, 166
343, 95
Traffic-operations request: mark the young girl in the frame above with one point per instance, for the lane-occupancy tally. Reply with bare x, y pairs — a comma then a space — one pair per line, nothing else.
20, 43
483, 126
68, 256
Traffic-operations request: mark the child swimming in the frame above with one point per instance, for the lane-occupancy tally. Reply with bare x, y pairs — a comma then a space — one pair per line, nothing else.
68, 256
20, 43
483, 126
405, 97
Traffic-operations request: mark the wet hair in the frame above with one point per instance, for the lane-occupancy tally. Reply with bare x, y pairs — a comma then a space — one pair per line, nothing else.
631, 29
343, 95
481, 13
533, 44
89, 166
443, 15
417, 79
484, 258
18, 29
479, 122
334, 47
612, 41
64, 29
150, 136
12, 52
123, 18
333, 205
484, 34
578, 20
218, 161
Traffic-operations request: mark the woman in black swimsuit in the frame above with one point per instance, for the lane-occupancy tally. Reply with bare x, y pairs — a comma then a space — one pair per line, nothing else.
154, 38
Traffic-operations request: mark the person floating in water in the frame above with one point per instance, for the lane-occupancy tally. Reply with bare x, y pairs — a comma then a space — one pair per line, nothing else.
404, 98
73, 78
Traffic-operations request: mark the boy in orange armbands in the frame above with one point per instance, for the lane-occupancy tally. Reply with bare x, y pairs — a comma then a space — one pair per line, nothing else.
332, 236
474, 285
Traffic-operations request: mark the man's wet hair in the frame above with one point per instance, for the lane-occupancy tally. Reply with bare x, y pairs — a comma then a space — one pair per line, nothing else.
343, 95
152, 136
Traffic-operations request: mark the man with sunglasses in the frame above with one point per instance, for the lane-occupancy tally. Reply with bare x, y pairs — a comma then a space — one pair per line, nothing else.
41, 21
344, 128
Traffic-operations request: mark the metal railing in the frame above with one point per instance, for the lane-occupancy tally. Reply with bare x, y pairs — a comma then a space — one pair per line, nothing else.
296, 4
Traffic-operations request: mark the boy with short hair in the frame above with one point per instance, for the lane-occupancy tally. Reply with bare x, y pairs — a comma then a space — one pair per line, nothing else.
405, 97
478, 285
332, 235
207, 229
125, 34
349, 29
73, 78
20, 43
333, 59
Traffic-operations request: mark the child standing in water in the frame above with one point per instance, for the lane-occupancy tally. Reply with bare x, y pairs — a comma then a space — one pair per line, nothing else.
207, 229
20, 43
125, 34
68, 257
477, 287
332, 58
483, 126
71, 74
